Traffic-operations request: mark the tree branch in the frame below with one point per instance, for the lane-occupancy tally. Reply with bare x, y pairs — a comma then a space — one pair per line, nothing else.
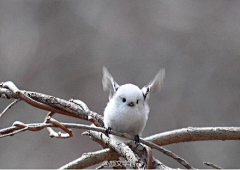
212, 165
9, 107
122, 149
182, 135
77, 109
191, 134
141, 151
168, 153
92, 158
175, 136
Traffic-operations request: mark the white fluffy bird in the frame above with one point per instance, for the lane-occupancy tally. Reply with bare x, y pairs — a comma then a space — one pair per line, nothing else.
127, 109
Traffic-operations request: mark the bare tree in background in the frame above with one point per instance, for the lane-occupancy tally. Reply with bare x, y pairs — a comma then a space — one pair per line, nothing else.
112, 154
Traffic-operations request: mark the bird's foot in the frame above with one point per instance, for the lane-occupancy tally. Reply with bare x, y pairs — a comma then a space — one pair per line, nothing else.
136, 139
108, 130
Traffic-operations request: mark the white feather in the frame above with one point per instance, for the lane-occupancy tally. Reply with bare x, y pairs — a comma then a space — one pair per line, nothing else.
127, 110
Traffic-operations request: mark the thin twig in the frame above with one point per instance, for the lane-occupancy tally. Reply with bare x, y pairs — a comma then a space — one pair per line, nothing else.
44, 125
212, 165
149, 157
59, 134
14, 132
9, 107
168, 153
18, 127
52, 133
50, 130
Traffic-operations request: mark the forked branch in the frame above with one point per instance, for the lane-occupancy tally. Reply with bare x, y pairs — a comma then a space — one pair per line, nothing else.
78, 109
73, 108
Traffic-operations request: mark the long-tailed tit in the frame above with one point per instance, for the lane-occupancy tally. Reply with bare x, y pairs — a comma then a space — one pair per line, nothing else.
127, 109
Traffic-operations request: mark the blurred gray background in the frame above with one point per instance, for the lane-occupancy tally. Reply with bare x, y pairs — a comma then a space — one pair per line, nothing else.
59, 48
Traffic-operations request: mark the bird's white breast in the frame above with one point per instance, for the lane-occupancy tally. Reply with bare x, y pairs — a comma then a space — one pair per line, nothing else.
125, 119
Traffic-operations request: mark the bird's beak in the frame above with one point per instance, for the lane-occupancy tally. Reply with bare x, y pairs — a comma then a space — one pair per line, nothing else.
131, 104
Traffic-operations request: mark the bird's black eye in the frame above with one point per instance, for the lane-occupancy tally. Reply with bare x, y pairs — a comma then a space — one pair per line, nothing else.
124, 99
137, 102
